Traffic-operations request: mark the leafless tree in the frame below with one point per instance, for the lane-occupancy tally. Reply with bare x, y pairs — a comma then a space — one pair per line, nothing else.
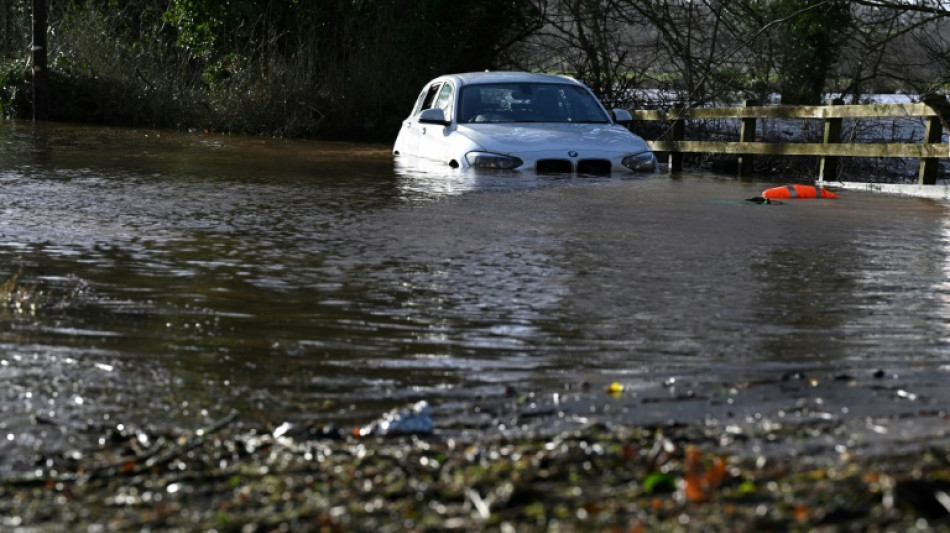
700, 51
895, 46
599, 41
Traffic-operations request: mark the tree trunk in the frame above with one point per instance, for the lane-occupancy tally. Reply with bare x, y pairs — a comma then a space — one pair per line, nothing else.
39, 54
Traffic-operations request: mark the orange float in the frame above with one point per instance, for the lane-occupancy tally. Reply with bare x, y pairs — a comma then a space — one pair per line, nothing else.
787, 192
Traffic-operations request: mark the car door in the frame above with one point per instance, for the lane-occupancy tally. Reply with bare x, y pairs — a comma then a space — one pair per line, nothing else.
407, 143
433, 138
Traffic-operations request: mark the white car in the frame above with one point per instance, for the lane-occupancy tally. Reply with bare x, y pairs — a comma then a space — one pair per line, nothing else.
520, 121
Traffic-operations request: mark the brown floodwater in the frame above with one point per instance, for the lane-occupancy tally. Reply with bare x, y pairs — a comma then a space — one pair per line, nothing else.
157, 278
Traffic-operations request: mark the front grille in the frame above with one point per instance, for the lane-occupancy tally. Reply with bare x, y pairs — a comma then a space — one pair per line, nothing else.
593, 166
566, 166
554, 166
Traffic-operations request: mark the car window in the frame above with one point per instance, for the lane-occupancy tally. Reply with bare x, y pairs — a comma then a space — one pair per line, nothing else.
427, 98
445, 100
581, 106
529, 102
422, 96
472, 103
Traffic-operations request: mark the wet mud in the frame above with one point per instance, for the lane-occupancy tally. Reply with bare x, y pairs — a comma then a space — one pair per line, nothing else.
773, 454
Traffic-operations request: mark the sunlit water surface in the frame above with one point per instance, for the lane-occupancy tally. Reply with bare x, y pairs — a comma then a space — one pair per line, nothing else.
158, 278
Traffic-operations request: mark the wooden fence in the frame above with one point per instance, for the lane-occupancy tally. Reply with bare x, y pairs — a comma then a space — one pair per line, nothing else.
928, 151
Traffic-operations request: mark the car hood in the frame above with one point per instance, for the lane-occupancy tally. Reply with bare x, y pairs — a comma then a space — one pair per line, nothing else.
521, 138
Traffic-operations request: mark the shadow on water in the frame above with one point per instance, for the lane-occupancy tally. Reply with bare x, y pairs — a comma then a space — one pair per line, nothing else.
161, 278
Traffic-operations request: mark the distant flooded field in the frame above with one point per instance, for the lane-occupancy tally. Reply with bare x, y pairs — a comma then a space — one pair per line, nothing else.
156, 278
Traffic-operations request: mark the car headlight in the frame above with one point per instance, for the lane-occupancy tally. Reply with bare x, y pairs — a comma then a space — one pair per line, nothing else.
490, 160
642, 162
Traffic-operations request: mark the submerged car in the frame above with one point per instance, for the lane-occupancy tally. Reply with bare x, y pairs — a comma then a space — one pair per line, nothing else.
520, 121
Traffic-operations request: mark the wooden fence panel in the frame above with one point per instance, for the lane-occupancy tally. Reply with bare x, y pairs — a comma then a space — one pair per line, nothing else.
808, 149
928, 151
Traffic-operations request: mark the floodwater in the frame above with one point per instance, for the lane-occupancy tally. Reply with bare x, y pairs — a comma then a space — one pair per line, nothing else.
160, 278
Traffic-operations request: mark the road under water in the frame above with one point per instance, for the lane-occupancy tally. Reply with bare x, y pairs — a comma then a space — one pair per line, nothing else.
159, 278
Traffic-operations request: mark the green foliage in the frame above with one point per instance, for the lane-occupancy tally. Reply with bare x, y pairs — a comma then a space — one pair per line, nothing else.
810, 41
13, 88
198, 23
221, 70
295, 68
14, 48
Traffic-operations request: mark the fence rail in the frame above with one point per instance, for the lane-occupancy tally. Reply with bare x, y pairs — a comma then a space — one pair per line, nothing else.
929, 150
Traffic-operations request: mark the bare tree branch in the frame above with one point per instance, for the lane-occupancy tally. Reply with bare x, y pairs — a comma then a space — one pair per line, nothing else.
932, 7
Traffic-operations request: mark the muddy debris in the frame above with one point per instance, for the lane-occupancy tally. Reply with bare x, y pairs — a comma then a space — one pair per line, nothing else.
531, 464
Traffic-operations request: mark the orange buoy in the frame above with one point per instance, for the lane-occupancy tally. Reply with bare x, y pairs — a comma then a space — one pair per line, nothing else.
786, 192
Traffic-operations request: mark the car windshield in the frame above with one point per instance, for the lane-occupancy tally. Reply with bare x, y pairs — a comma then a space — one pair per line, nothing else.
529, 102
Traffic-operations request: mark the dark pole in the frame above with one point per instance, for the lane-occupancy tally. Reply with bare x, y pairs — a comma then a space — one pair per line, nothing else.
38, 52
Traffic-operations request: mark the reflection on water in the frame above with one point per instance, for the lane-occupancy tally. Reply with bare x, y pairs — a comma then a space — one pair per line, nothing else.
422, 179
165, 278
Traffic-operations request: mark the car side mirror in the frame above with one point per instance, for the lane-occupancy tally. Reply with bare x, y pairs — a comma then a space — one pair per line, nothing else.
622, 116
433, 115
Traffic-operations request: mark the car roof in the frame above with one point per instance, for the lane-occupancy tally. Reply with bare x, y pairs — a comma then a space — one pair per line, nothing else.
473, 78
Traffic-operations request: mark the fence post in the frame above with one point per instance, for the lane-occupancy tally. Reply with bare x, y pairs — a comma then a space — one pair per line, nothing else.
933, 133
746, 135
677, 133
828, 166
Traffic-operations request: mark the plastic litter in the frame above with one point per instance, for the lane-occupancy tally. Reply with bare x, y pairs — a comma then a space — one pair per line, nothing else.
413, 420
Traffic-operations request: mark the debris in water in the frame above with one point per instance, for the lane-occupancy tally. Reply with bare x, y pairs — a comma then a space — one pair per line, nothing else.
762, 201
413, 420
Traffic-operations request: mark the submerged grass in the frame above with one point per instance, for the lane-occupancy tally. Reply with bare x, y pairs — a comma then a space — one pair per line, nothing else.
24, 299
17, 298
